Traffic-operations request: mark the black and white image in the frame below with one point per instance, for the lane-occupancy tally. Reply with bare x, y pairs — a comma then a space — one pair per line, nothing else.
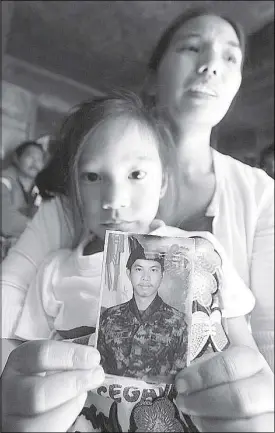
144, 334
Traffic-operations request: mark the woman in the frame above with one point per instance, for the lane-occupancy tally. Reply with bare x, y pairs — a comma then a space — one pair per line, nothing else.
196, 73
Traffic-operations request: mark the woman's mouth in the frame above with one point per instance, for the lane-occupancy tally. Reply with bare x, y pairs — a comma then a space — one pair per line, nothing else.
203, 91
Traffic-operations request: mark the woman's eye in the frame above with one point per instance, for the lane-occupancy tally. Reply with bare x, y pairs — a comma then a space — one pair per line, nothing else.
137, 175
192, 48
90, 177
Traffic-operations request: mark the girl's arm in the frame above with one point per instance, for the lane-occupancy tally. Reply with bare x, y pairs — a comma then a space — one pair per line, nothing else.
262, 276
50, 229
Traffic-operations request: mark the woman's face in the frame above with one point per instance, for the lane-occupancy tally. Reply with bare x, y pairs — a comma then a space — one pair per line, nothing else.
200, 72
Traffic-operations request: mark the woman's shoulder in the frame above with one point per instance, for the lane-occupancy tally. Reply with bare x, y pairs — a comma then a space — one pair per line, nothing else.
243, 175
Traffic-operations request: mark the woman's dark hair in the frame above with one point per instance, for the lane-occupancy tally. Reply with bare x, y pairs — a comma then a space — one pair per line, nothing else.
267, 152
168, 35
24, 145
61, 177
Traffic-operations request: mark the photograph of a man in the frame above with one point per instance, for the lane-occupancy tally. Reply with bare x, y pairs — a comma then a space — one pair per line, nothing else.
144, 337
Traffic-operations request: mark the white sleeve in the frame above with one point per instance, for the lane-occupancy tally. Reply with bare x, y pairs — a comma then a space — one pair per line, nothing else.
49, 230
262, 275
36, 320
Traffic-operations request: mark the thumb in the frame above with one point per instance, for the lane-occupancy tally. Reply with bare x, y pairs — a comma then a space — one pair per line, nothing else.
156, 224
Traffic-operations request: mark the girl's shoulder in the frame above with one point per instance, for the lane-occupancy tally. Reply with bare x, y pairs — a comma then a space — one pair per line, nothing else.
57, 265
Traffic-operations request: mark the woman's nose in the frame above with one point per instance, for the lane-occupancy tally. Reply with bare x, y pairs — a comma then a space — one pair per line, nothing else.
209, 65
207, 70
115, 196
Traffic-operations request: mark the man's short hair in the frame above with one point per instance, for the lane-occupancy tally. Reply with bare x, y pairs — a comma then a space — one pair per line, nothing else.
138, 252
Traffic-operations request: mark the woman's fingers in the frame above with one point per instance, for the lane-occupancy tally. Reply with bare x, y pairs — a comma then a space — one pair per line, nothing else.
59, 419
235, 363
156, 223
234, 400
48, 355
260, 423
236, 383
33, 395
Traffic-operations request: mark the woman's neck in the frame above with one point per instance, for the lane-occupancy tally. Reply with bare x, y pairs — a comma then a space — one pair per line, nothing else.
194, 151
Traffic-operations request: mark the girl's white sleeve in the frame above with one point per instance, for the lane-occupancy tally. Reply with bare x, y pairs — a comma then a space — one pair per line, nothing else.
41, 307
49, 230
262, 274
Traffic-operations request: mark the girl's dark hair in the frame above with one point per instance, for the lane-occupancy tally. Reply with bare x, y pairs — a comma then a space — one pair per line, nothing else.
168, 35
24, 145
60, 176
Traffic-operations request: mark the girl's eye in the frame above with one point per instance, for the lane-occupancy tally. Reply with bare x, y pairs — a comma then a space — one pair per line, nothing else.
137, 175
232, 59
91, 177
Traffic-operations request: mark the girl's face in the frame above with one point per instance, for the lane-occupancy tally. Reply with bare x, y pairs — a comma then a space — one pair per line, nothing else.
201, 71
121, 178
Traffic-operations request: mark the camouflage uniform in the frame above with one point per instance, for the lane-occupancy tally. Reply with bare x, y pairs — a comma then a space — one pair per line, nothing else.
137, 344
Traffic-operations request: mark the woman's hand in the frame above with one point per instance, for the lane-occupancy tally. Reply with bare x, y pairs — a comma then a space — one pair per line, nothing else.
231, 391
45, 383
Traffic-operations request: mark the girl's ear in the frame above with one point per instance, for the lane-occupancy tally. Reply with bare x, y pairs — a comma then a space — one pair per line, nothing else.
164, 185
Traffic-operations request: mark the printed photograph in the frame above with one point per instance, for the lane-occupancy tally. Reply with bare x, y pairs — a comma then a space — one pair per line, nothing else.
146, 305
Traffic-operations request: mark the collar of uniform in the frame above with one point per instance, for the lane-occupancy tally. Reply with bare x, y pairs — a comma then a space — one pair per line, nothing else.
143, 316
219, 170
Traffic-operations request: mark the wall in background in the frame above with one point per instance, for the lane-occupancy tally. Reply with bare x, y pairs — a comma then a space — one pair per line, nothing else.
34, 101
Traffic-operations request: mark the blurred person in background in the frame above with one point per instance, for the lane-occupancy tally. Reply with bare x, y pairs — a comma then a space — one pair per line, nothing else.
19, 195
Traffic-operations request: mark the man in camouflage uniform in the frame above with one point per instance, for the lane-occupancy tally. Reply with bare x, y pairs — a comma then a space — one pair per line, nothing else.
144, 337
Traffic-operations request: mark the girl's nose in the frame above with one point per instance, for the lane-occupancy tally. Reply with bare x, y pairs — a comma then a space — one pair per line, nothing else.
115, 197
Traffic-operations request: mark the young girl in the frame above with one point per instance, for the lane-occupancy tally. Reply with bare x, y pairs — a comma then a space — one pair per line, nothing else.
110, 170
